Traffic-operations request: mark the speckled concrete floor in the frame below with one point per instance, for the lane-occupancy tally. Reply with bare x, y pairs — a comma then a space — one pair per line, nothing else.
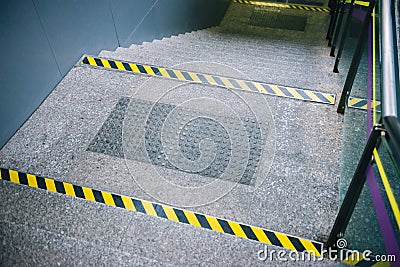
295, 187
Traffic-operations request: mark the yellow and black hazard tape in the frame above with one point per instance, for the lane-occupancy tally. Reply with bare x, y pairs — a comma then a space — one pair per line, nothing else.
163, 211
281, 5
359, 3
356, 258
360, 103
226, 82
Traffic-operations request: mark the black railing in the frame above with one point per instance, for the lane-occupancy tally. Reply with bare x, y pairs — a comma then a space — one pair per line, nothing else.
388, 128
357, 55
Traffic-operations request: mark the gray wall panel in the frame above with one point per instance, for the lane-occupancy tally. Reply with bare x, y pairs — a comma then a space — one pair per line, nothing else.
145, 31
28, 71
166, 19
127, 15
75, 27
42, 39
194, 15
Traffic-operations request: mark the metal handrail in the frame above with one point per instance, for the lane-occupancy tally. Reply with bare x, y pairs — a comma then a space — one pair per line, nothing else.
390, 120
390, 74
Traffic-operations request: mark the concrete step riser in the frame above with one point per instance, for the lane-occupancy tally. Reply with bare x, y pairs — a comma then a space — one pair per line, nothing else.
266, 49
277, 67
262, 56
300, 41
238, 60
284, 47
172, 36
228, 41
203, 37
267, 75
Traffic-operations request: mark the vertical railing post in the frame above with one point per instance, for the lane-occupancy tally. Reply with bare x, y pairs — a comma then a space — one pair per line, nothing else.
332, 41
355, 62
354, 190
334, 13
343, 37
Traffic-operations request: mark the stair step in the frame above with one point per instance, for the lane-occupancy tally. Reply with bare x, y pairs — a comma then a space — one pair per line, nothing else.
169, 37
287, 46
320, 81
145, 240
22, 244
55, 142
261, 56
276, 45
279, 59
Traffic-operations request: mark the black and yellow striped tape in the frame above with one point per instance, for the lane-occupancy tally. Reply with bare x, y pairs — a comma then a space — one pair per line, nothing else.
163, 211
281, 5
226, 82
359, 3
356, 258
360, 103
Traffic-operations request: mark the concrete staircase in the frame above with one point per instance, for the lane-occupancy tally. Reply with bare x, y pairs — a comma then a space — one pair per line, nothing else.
295, 193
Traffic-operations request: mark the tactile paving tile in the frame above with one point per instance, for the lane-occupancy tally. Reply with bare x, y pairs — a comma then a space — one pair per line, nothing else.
271, 19
158, 145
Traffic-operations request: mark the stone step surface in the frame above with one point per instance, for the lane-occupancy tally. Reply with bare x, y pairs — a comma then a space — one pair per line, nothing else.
80, 134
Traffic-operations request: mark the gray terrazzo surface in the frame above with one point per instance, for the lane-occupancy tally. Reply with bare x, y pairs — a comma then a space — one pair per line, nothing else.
75, 136
147, 241
30, 246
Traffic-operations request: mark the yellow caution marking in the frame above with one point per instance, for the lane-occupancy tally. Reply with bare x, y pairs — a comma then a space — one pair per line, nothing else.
243, 85
301, 7
128, 203
237, 229
69, 189
277, 90
226, 82
260, 88
285, 241
106, 64
92, 61
361, 103
149, 70
210, 79
134, 67
14, 177
214, 224
88, 194
331, 98
120, 66
312, 95
164, 73
32, 182
50, 184
294, 92
231, 83
310, 247
148, 207
191, 217
172, 214
179, 75
194, 77
108, 199
261, 235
